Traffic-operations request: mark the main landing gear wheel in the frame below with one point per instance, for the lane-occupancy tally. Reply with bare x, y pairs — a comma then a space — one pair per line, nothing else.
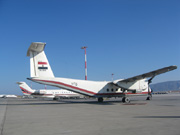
100, 99
149, 97
55, 98
125, 100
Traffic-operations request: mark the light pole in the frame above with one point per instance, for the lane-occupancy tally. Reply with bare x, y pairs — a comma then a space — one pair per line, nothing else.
112, 76
84, 47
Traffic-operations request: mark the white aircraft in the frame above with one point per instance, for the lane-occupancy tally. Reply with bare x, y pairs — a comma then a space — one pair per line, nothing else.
55, 94
8, 96
41, 72
2, 96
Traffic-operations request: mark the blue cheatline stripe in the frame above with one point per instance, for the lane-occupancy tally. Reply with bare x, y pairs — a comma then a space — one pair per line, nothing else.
42, 67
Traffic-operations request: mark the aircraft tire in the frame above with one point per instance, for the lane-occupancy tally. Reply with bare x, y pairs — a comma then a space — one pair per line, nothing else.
100, 99
55, 98
125, 100
149, 98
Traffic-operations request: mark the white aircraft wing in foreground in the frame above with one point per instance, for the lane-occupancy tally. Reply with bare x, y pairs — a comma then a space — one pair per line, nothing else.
41, 73
122, 83
149, 74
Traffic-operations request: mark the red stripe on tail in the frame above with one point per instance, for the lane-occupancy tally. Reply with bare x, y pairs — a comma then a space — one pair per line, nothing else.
42, 63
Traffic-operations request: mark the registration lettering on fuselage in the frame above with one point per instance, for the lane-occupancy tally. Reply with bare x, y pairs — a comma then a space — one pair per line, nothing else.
74, 84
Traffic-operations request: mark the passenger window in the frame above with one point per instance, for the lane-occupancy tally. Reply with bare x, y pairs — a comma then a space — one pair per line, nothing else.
107, 90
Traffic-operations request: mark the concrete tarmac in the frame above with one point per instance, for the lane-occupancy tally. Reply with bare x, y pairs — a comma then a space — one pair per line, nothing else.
160, 116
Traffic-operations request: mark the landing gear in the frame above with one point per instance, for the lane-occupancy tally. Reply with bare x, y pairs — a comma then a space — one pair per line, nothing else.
125, 100
55, 98
149, 97
149, 89
100, 99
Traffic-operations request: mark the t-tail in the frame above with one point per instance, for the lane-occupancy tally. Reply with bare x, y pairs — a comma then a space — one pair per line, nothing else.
39, 65
26, 90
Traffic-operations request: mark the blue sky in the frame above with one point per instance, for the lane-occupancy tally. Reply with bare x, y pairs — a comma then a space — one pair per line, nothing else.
124, 37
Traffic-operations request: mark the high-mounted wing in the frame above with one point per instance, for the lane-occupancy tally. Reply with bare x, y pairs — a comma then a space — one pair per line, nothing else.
147, 75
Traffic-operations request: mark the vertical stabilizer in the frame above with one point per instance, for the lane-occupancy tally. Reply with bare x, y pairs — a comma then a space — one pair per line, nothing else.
26, 90
39, 65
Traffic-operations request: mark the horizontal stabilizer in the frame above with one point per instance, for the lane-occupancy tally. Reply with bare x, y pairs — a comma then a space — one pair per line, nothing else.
36, 47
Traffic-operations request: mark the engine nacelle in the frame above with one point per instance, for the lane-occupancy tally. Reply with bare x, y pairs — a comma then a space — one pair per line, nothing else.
41, 92
138, 91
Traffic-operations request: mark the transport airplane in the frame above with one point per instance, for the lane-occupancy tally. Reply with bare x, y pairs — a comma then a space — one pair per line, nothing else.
8, 96
55, 94
2, 96
41, 72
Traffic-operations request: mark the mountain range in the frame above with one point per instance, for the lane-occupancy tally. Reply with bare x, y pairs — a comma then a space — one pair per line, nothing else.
166, 86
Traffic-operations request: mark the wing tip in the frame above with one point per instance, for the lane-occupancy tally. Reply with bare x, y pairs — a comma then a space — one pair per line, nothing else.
173, 67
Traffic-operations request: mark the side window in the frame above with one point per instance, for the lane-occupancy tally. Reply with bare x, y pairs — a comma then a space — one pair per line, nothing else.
107, 90
112, 90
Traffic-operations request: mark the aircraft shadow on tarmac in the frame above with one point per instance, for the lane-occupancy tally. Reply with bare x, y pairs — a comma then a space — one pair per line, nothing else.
157, 117
64, 102
50, 102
